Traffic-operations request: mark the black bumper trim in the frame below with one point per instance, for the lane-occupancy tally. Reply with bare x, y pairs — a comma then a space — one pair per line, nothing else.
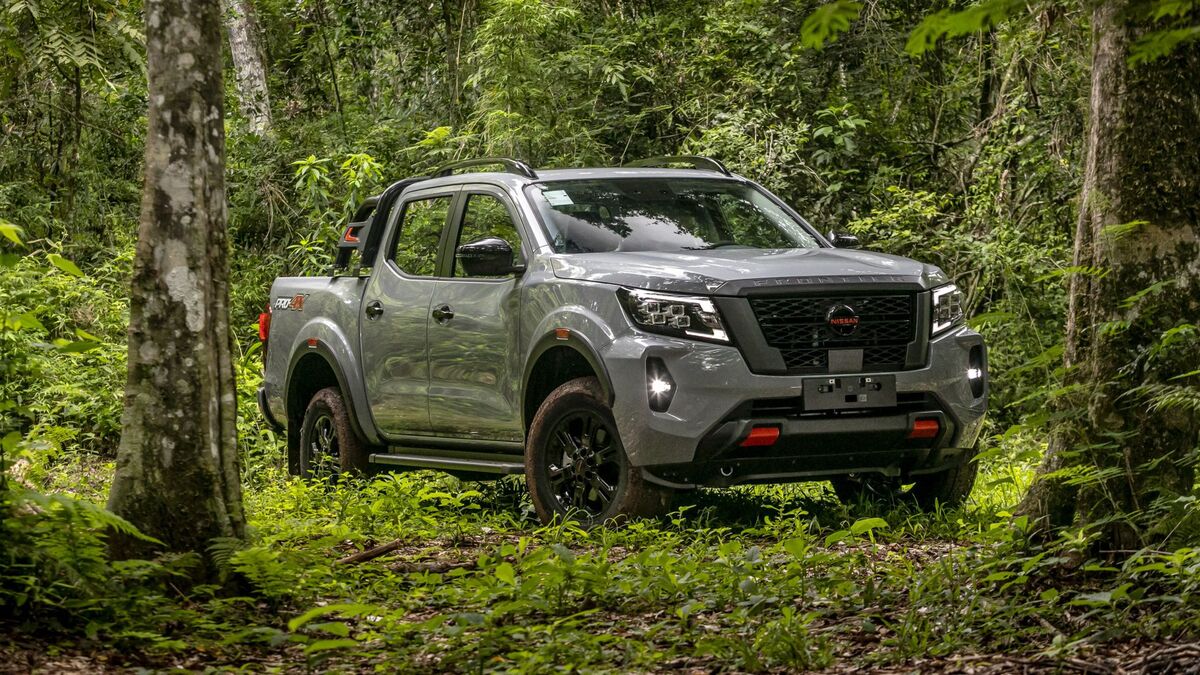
814, 447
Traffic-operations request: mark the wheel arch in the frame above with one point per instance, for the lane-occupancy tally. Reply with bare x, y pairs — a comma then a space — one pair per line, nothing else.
555, 360
310, 370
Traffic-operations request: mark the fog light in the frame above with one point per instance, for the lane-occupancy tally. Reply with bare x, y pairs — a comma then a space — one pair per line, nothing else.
975, 370
660, 386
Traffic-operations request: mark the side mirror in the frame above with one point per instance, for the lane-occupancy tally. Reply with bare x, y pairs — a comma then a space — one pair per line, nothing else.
843, 240
491, 257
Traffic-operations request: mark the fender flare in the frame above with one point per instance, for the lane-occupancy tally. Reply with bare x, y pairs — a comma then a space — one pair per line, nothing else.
581, 346
322, 350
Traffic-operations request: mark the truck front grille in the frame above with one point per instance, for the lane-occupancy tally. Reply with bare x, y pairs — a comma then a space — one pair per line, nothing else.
798, 326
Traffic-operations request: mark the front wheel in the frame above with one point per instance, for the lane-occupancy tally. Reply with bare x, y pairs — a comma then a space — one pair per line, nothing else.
576, 466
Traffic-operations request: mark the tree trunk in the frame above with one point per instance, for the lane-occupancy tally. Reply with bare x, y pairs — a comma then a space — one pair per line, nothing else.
249, 65
177, 468
1143, 164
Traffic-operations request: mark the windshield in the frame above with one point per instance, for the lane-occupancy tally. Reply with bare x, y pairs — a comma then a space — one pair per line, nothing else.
662, 214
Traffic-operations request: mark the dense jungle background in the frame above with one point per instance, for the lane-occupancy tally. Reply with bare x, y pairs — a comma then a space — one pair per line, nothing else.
967, 154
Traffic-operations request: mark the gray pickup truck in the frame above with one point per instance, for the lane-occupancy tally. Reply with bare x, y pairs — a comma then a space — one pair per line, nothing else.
619, 334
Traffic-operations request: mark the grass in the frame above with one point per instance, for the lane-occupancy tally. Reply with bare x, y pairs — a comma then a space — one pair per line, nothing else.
768, 578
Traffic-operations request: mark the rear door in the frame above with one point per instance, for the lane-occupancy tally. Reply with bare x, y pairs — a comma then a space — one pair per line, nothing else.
474, 359
394, 315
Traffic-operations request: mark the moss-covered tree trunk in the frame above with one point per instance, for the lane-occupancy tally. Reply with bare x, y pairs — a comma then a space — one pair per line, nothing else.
177, 468
1138, 230
249, 64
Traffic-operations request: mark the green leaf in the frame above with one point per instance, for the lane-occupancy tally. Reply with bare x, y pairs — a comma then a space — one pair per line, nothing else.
797, 547
345, 609
947, 24
77, 347
332, 627
828, 22
11, 232
9, 442
990, 317
326, 645
506, 573
25, 321
868, 525
64, 264
835, 537
1155, 45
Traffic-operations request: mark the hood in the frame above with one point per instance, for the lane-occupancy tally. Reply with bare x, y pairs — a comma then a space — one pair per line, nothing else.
731, 271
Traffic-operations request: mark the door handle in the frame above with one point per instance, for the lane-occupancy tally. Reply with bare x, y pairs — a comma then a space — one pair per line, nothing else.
443, 314
374, 309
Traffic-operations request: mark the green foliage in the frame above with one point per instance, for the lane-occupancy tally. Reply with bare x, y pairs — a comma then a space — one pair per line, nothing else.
967, 157
946, 23
827, 22
1178, 19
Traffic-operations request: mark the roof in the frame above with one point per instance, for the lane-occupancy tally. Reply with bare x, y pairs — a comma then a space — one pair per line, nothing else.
548, 175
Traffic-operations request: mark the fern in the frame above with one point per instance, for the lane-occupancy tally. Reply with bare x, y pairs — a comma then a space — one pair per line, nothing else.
1167, 397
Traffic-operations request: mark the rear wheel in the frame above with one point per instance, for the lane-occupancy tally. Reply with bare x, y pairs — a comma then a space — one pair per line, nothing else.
949, 488
859, 488
328, 444
576, 466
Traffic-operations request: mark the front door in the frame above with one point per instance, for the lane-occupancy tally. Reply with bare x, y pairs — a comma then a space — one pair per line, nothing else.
394, 316
474, 358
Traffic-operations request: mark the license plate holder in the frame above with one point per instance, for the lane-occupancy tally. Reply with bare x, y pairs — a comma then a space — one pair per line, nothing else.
849, 392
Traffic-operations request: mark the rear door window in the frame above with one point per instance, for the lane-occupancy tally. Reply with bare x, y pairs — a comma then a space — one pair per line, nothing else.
416, 248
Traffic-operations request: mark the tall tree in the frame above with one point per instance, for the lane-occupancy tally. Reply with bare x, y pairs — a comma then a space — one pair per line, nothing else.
249, 64
177, 466
1138, 242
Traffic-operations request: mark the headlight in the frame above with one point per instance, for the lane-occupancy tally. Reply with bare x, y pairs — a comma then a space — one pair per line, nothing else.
684, 316
947, 307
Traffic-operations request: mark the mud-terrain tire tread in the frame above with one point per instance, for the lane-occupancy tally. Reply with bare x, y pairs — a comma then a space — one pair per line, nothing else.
949, 488
353, 452
636, 497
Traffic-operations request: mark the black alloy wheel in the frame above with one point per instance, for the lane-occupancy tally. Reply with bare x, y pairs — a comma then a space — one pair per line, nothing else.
576, 466
583, 464
324, 458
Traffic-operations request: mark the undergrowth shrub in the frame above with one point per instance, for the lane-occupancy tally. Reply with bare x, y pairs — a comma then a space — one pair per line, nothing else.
64, 355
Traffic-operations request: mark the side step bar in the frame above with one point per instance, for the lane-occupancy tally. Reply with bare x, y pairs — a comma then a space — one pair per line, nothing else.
450, 460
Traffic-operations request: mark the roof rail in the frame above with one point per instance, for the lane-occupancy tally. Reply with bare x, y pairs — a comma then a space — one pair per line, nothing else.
695, 161
510, 166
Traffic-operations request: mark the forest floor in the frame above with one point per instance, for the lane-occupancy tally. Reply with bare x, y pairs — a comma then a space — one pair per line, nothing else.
764, 579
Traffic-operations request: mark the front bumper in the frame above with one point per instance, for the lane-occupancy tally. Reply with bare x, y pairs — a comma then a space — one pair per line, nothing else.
717, 400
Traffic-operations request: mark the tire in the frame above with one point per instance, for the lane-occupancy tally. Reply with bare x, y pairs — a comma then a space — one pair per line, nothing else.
328, 445
949, 488
869, 488
576, 466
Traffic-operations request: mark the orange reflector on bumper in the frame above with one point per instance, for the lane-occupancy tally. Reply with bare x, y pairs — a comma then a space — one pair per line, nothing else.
925, 428
761, 436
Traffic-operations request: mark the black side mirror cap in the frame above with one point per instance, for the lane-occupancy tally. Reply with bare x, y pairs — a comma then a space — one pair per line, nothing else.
490, 257
843, 240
